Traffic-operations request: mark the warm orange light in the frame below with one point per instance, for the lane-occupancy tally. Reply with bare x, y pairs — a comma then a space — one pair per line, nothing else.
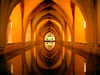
16, 23
68, 34
28, 33
80, 25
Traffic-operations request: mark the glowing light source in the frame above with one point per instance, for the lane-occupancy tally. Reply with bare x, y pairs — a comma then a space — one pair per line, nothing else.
49, 37
49, 41
84, 24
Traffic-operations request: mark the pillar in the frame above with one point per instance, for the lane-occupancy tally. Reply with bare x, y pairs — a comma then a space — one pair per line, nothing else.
3, 22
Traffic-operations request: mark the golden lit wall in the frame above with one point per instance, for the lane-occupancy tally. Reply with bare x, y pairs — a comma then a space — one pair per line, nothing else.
63, 36
9, 32
68, 34
79, 26
28, 32
65, 5
29, 5
16, 19
34, 38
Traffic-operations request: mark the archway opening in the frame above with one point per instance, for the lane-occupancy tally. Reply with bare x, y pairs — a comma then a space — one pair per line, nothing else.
49, 41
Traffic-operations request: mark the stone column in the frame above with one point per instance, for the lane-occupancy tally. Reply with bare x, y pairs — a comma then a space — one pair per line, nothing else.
3, 22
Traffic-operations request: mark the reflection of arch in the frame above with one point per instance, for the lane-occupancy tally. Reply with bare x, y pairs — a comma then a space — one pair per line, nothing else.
9, 32
44, 27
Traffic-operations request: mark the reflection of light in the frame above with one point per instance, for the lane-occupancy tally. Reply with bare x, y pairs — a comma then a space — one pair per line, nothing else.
11, 24
84, 67
11, 68
84, 24
49, 45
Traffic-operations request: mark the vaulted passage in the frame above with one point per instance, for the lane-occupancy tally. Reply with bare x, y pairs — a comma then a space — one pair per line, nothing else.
49, 37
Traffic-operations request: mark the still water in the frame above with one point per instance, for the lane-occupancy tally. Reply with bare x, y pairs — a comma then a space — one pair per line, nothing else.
49, 58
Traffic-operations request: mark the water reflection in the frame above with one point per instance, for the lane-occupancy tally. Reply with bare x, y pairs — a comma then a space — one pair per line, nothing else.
28, 59
25, 63
49, 45
11, 66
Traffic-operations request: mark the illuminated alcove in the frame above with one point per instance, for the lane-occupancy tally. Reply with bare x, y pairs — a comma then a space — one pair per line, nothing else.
16, 24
